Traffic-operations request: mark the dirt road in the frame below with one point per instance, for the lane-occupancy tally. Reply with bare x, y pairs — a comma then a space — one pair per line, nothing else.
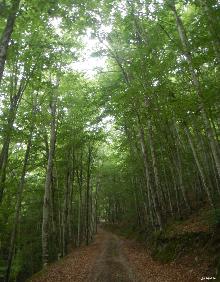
113, 259
112, 265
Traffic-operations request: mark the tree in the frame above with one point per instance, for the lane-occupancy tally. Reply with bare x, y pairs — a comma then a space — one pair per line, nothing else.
6, 35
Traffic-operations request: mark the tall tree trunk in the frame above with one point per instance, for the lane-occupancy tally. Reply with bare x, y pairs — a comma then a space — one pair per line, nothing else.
46, 203
202, 175
196, 83
70, 209
96, 205
18, 206
147, 175
6, 35
88, 198
58, 222
67, 205
155, 170
66, 212
167, 184
79, 174
79, 218
15, 99
180, 167
14, 103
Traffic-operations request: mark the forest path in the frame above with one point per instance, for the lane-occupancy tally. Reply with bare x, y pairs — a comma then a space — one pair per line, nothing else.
112, 264
113, 259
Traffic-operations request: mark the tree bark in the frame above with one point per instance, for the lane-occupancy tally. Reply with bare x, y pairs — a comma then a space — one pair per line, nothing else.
79, 174
14, 104
46, 203
202, 175
6, 35
147, 175
88, 197
154, 164
67, 205
196, 83
180, 167
18, 206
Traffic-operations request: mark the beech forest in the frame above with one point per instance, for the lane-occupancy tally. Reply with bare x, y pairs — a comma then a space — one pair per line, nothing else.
109, 140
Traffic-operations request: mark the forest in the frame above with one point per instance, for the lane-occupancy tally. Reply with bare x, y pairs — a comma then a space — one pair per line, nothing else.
109, 114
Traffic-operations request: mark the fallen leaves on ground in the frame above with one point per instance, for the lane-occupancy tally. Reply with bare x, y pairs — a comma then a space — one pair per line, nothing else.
82, 263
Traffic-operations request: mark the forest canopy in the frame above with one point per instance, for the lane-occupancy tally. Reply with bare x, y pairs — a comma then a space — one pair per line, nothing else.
109, 110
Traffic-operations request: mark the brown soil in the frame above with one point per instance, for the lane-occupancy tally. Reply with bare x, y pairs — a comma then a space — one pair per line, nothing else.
113, 259
112, 264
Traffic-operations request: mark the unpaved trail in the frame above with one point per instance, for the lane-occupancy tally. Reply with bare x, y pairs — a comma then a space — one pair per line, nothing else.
113, 259
112, 265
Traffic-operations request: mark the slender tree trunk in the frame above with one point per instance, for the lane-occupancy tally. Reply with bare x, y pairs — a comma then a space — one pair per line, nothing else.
155, 170
7, 138
70, 209
147, 175
46, 203
91, 212
202, 175
18, 207
15, 99
167, 184
79, 174
6, 35
145, 199
58, 222
79, 218
180, 168
96, 206
138, 216
88, 198
66, 212
196, 83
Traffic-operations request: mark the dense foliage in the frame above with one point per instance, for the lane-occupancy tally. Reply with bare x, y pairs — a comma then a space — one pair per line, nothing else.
137, 143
